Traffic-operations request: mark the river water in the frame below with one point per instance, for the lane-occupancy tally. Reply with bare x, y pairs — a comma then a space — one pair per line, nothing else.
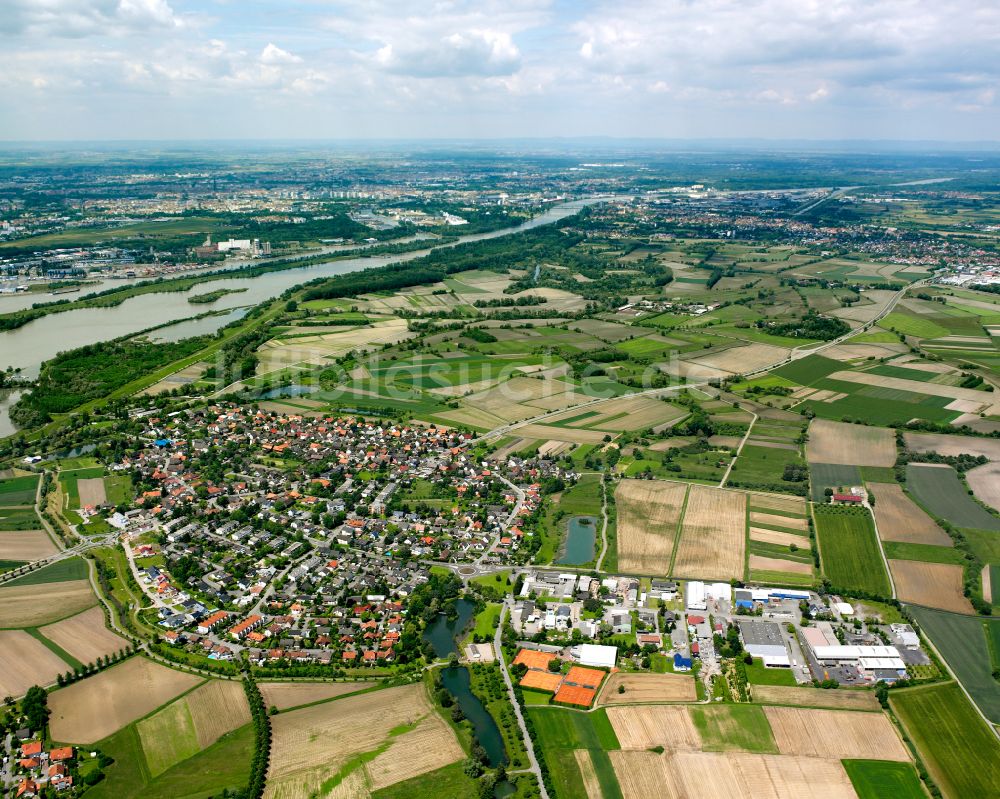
30, 345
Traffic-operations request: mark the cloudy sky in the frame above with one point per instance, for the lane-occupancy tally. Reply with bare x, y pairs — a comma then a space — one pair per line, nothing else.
260, 69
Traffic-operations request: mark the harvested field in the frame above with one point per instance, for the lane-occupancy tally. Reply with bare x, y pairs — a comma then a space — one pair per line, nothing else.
775, 502
985, 483
85, 636
744, 359
769, 519
284, 695
845, 734
852, 444
759, 562
774, 537
98, 706
217, 707
26, 545
325, 741
91, 491
933, 585
736, 775
33, 605
900, 519
713, 535
815, 697
573, 435
648, 513
26, 661
669, 726
949, 444
586, 765
647, 688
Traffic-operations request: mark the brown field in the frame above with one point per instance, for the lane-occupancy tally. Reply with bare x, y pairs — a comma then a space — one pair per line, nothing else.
949, 444
713, 535
815, 697
744, 359
590, 782
26, 545
217, 707
774, 537
84, 636
91, 491
284, 695
850, 444
736, 775
987, 584
312, 744
768, 519
779, 565
647, 688
836, 734
934, 585
33, 605
779, 503
985, 483
669, 726
100, 705
561, 434
26, 661
648, 512
900, 519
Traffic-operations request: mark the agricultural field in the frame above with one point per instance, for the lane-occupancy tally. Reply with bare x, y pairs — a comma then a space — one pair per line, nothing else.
866, 736
96, 707
985, 484
814, 697
725, 728
85, 636
850, 444
648, 514
576, 747
713, 535
647, 689
285, 695
939, 489
874, 779
933, 585
19, 519
900, 519
371, 741
849, 549
18, 490
961, 753
36, 604
26, 661
26, 545
963, 643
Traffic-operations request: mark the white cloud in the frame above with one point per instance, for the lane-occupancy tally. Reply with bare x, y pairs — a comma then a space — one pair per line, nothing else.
73, 18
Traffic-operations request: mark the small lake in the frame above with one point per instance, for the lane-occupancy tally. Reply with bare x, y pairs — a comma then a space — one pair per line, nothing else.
443, 635
293, 390
581, 537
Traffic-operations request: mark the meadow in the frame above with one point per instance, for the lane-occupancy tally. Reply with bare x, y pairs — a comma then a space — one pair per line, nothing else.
18, 490
939, 489
561, 734
877, 779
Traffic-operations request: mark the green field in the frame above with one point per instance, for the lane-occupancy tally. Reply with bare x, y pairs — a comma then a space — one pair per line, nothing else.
223, 765
759, 674
558, 732
928, 553
733, 727
118, 489
168, 737
883, 779
69, 569
763, 467
831, 475
19, 519
19, 490
910, 325
849, 550
69, 483
808, 370
962, 641
939, 489
879, 406
961, 753
448, 781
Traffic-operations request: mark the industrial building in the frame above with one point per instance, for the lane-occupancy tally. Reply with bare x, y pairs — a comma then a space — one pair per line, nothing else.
763, 640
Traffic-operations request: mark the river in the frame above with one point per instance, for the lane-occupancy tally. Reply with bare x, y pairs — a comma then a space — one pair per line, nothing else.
30, 345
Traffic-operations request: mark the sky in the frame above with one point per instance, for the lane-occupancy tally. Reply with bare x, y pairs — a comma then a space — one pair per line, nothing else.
357, 69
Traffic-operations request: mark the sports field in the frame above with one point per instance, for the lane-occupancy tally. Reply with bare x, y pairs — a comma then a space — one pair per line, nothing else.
961, 753
849, 550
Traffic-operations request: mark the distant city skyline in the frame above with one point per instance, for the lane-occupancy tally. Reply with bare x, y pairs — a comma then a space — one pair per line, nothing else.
354, 69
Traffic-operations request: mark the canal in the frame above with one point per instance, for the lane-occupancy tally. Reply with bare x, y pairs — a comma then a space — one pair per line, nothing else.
443, 636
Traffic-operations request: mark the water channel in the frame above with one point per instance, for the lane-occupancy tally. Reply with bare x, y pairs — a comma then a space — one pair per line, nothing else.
443, 636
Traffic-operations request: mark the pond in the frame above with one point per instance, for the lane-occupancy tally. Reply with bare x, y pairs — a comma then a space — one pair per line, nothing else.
294, 390
581, 536
443, 636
